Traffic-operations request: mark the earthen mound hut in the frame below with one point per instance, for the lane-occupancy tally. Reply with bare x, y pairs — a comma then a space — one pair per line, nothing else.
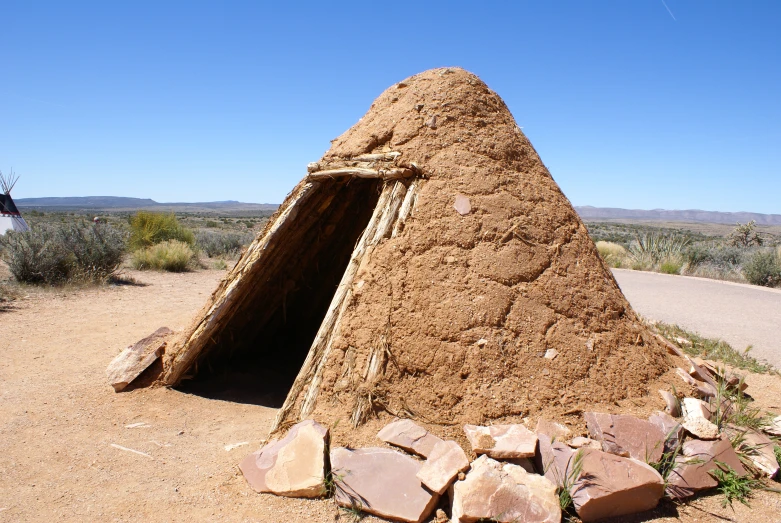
428, 266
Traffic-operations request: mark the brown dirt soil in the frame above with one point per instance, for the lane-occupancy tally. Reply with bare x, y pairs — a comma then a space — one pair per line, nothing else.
59, 418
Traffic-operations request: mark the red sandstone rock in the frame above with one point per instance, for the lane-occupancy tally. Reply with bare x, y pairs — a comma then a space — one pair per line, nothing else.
555, 460
446, 460
504, 492
502, 441
670, 427
609, 486
756, 447
673, 405
580, 442
408, 435
692, 470
293, 466
626, 436
132, 361
696, 419
382, 482
774, 427
554, 430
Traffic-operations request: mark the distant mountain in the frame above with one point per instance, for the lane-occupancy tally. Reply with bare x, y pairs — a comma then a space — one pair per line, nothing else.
587, 212
117, 203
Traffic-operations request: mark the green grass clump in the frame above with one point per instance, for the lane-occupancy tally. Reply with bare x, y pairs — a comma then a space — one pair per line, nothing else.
571, 475
151, 228
708, 348
777, 451
671, 266
613, 254
171, 255
734, 486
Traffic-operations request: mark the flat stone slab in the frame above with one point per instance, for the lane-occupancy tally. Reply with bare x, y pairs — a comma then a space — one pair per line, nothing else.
701, 428
671, 428
504, 493
774, 428
610, 486
408, 435
626, 436
552, 429
673, 407
693, 407
756, 447
502, 441
702, 389
580, 442
555, 460
441, 468
132, 361
691, 473
382, 482
293, 466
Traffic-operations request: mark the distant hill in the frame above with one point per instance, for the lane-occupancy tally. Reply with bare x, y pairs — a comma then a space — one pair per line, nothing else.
119, 203
693, 215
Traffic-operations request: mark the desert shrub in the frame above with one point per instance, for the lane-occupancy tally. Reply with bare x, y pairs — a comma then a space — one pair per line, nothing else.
36, 256
150, 228
212, 224
763, 267
96, 250
613, 253
671, 265
53, 255
171, 255
745, 235
216, 243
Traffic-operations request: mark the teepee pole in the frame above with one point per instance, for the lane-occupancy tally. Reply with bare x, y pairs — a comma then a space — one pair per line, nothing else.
311, 371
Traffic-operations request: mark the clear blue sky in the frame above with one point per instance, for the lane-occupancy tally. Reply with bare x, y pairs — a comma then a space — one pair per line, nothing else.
628, 103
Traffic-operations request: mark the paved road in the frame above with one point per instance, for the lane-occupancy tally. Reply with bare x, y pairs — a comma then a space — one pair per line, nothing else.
741, 315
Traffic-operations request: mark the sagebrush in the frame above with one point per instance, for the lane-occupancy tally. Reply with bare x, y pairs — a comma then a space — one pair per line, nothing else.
218, 243
54, 255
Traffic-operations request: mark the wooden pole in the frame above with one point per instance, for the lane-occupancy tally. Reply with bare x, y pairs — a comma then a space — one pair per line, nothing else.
311, 372
362, 172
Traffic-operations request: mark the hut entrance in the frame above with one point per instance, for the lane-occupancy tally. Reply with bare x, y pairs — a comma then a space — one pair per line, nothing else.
262, 346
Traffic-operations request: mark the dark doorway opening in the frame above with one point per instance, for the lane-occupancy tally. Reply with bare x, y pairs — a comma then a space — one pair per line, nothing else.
262, 347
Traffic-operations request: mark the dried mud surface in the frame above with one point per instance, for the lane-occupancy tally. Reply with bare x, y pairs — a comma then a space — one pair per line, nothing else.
519, 272
59, 418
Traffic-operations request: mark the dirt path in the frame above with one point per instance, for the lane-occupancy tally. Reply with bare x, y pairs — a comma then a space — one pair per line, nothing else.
741, 315
60, 423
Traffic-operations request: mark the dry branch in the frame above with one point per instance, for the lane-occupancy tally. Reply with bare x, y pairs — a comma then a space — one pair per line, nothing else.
360, 172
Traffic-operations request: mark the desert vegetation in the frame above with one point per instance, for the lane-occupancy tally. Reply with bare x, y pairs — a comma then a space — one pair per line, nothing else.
78, 252
69, 247
744, 254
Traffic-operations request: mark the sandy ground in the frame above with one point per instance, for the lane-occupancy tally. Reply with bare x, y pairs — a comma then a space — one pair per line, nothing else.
64, 435
742, 315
